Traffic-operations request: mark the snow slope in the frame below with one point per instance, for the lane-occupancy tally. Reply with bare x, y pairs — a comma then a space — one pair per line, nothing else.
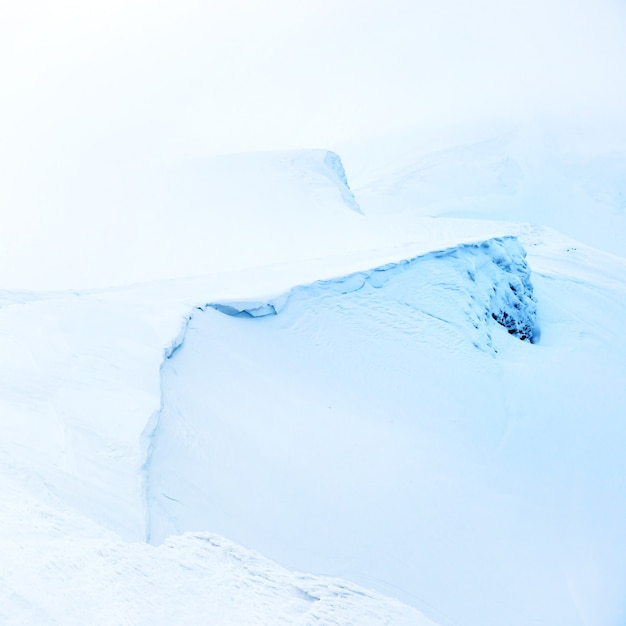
185, 218
81, 375
61, 568
569, 177
382, 426
392, 433
80, 380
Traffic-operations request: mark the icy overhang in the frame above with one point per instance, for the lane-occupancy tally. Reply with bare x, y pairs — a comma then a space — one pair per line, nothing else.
494, 276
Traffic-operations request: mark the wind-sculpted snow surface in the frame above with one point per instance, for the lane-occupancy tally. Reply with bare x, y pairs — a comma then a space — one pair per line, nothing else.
321, 426
79, 380
60, 568
381, 427
499, 287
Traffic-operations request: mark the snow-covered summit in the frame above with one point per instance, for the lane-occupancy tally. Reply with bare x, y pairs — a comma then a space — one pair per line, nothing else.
185, 218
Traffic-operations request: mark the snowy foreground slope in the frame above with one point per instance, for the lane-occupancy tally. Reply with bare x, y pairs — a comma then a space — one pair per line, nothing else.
375, 412
59, 567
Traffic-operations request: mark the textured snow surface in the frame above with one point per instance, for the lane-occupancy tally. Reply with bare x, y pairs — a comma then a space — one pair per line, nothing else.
395, 435
344, 391
503, 292
59, 568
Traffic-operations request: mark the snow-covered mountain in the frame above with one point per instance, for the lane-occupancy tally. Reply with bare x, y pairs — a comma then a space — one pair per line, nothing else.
183, 218
570, 177
426, 406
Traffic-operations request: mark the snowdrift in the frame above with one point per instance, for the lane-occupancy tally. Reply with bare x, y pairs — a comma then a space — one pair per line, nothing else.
384, 428
406, 402
503, 292
460, 293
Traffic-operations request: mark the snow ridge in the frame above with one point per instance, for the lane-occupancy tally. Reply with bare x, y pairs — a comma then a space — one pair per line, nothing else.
333, 162
150, 433
497, 267
228, 423
468, 289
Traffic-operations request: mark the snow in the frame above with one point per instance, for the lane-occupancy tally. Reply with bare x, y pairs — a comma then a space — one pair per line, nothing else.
545, 171
332, 383
393, 434
184, 218
61, 568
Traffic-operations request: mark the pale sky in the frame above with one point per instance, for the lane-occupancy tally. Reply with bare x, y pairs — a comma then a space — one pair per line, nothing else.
209, 77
